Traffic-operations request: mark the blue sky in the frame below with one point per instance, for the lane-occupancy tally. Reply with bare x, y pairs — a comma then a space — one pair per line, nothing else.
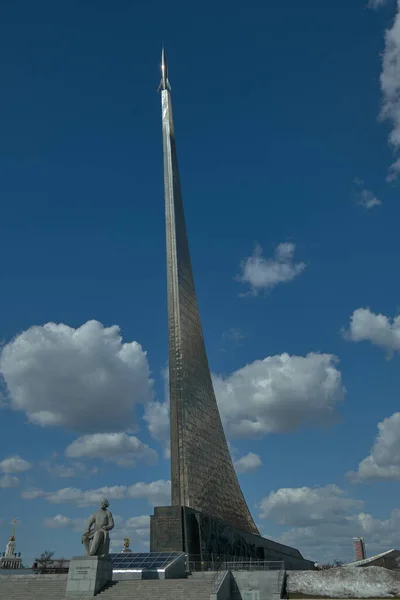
288, 125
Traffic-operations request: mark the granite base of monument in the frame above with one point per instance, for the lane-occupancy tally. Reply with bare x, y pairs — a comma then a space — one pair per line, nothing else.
182, 529
87, 576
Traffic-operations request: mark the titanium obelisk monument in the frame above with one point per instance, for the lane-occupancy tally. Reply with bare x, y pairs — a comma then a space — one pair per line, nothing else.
202, 473
207, 501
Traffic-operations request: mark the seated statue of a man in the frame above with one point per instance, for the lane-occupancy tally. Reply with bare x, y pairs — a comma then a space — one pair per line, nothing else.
96, 538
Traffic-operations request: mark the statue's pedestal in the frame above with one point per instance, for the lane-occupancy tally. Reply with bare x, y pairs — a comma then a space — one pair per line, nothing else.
87, 576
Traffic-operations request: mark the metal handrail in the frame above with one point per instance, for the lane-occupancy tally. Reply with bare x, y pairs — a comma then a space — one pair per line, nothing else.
256, 565
249, 565
208, 561
218, 577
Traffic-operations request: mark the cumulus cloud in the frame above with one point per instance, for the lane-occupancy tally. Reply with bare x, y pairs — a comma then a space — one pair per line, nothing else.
32, 494
280, 394
266, 273
368, 200
394, 171
377, 329
56, 522
365, 197
377, 3
135, 528
384, 461
75, 469
75, 495
390, 85
123, 449
14, 464
85, 379
247, 463
156, 415
326, 542
156, 493
323, 520
308, 506
8, 482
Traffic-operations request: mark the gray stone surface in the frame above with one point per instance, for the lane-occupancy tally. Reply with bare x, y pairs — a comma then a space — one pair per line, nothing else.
222, 588
96, 538
163, 589
32, 588
263, 585
167, 530
87, 576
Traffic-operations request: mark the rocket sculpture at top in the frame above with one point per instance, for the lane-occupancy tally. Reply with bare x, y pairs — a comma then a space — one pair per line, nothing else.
164, 83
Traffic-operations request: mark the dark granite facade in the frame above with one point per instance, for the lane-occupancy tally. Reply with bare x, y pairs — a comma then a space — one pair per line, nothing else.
174, 529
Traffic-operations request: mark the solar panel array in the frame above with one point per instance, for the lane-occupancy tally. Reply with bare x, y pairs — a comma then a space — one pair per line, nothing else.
142, 560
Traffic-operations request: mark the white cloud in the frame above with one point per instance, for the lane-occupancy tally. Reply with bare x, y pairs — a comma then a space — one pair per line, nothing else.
249, 462
368, 199
123, 449
14, 464
135, 528
394, 171
32, 494
377, 329
59, 521
365, 197
265, 273
280, 394
307, 506
84, 379
8, 482
384, 461
377, 3
116, 492
75, 469
156, 493
156, 415
390, 85
324, 520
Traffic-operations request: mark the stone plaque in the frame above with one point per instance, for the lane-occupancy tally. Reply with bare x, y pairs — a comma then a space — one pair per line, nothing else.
166, 530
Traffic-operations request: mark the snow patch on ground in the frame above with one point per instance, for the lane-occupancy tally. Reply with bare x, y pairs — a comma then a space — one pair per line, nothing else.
346, 582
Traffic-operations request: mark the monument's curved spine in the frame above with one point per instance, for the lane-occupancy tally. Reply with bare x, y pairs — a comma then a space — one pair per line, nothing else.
202, 473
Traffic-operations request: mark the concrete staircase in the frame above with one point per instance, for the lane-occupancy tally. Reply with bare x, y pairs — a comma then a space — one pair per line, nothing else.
38, 589
195, 587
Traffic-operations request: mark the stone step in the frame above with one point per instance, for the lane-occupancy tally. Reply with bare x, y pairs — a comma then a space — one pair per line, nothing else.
162, 589
173, 595
43, 590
